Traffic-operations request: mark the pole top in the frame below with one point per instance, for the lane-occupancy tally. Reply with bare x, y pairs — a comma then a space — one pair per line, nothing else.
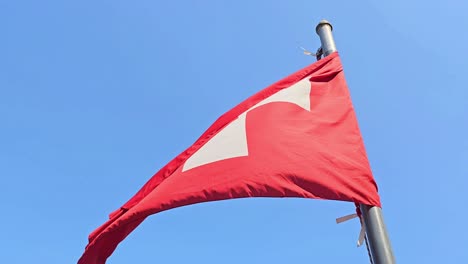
322, 23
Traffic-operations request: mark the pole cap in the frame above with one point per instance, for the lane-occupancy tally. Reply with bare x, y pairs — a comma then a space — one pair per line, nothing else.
322, 23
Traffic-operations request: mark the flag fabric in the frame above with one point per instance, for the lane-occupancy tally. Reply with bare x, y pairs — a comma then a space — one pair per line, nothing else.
297, 138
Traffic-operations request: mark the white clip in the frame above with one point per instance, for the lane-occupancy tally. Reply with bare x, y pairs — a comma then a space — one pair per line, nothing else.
345, 218
306, 52
362, 232
362, 235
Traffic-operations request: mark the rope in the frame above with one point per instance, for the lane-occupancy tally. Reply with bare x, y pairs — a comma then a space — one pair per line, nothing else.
359, 213
319, 53
362, 233
368, 250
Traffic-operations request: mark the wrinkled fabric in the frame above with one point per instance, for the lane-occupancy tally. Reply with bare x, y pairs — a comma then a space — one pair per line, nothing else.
292, 152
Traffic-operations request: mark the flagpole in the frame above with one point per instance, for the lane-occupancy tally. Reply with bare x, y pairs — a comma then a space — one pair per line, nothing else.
376, 232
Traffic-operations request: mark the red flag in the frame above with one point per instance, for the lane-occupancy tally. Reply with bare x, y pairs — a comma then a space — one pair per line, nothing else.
297, 138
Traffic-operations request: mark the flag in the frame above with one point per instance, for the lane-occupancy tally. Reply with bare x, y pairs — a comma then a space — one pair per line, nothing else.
297, 138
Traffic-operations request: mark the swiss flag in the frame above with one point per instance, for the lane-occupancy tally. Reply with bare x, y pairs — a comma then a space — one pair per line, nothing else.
297, 138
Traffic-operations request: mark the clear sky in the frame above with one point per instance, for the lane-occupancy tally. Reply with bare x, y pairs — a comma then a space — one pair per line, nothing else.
96, 96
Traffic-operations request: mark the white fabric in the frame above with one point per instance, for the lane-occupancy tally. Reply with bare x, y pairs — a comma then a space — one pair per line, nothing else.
231, 141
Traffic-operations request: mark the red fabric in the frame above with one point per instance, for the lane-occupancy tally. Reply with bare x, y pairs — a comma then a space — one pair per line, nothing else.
292, 153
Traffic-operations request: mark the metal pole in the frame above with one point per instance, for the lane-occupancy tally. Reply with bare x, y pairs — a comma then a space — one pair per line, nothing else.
324, 30
380, 247
379, 243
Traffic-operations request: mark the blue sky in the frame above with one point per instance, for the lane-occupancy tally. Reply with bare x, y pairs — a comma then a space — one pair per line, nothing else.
96, 96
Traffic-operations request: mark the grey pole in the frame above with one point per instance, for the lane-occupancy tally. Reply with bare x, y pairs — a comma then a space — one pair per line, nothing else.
324, 30
379, 243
